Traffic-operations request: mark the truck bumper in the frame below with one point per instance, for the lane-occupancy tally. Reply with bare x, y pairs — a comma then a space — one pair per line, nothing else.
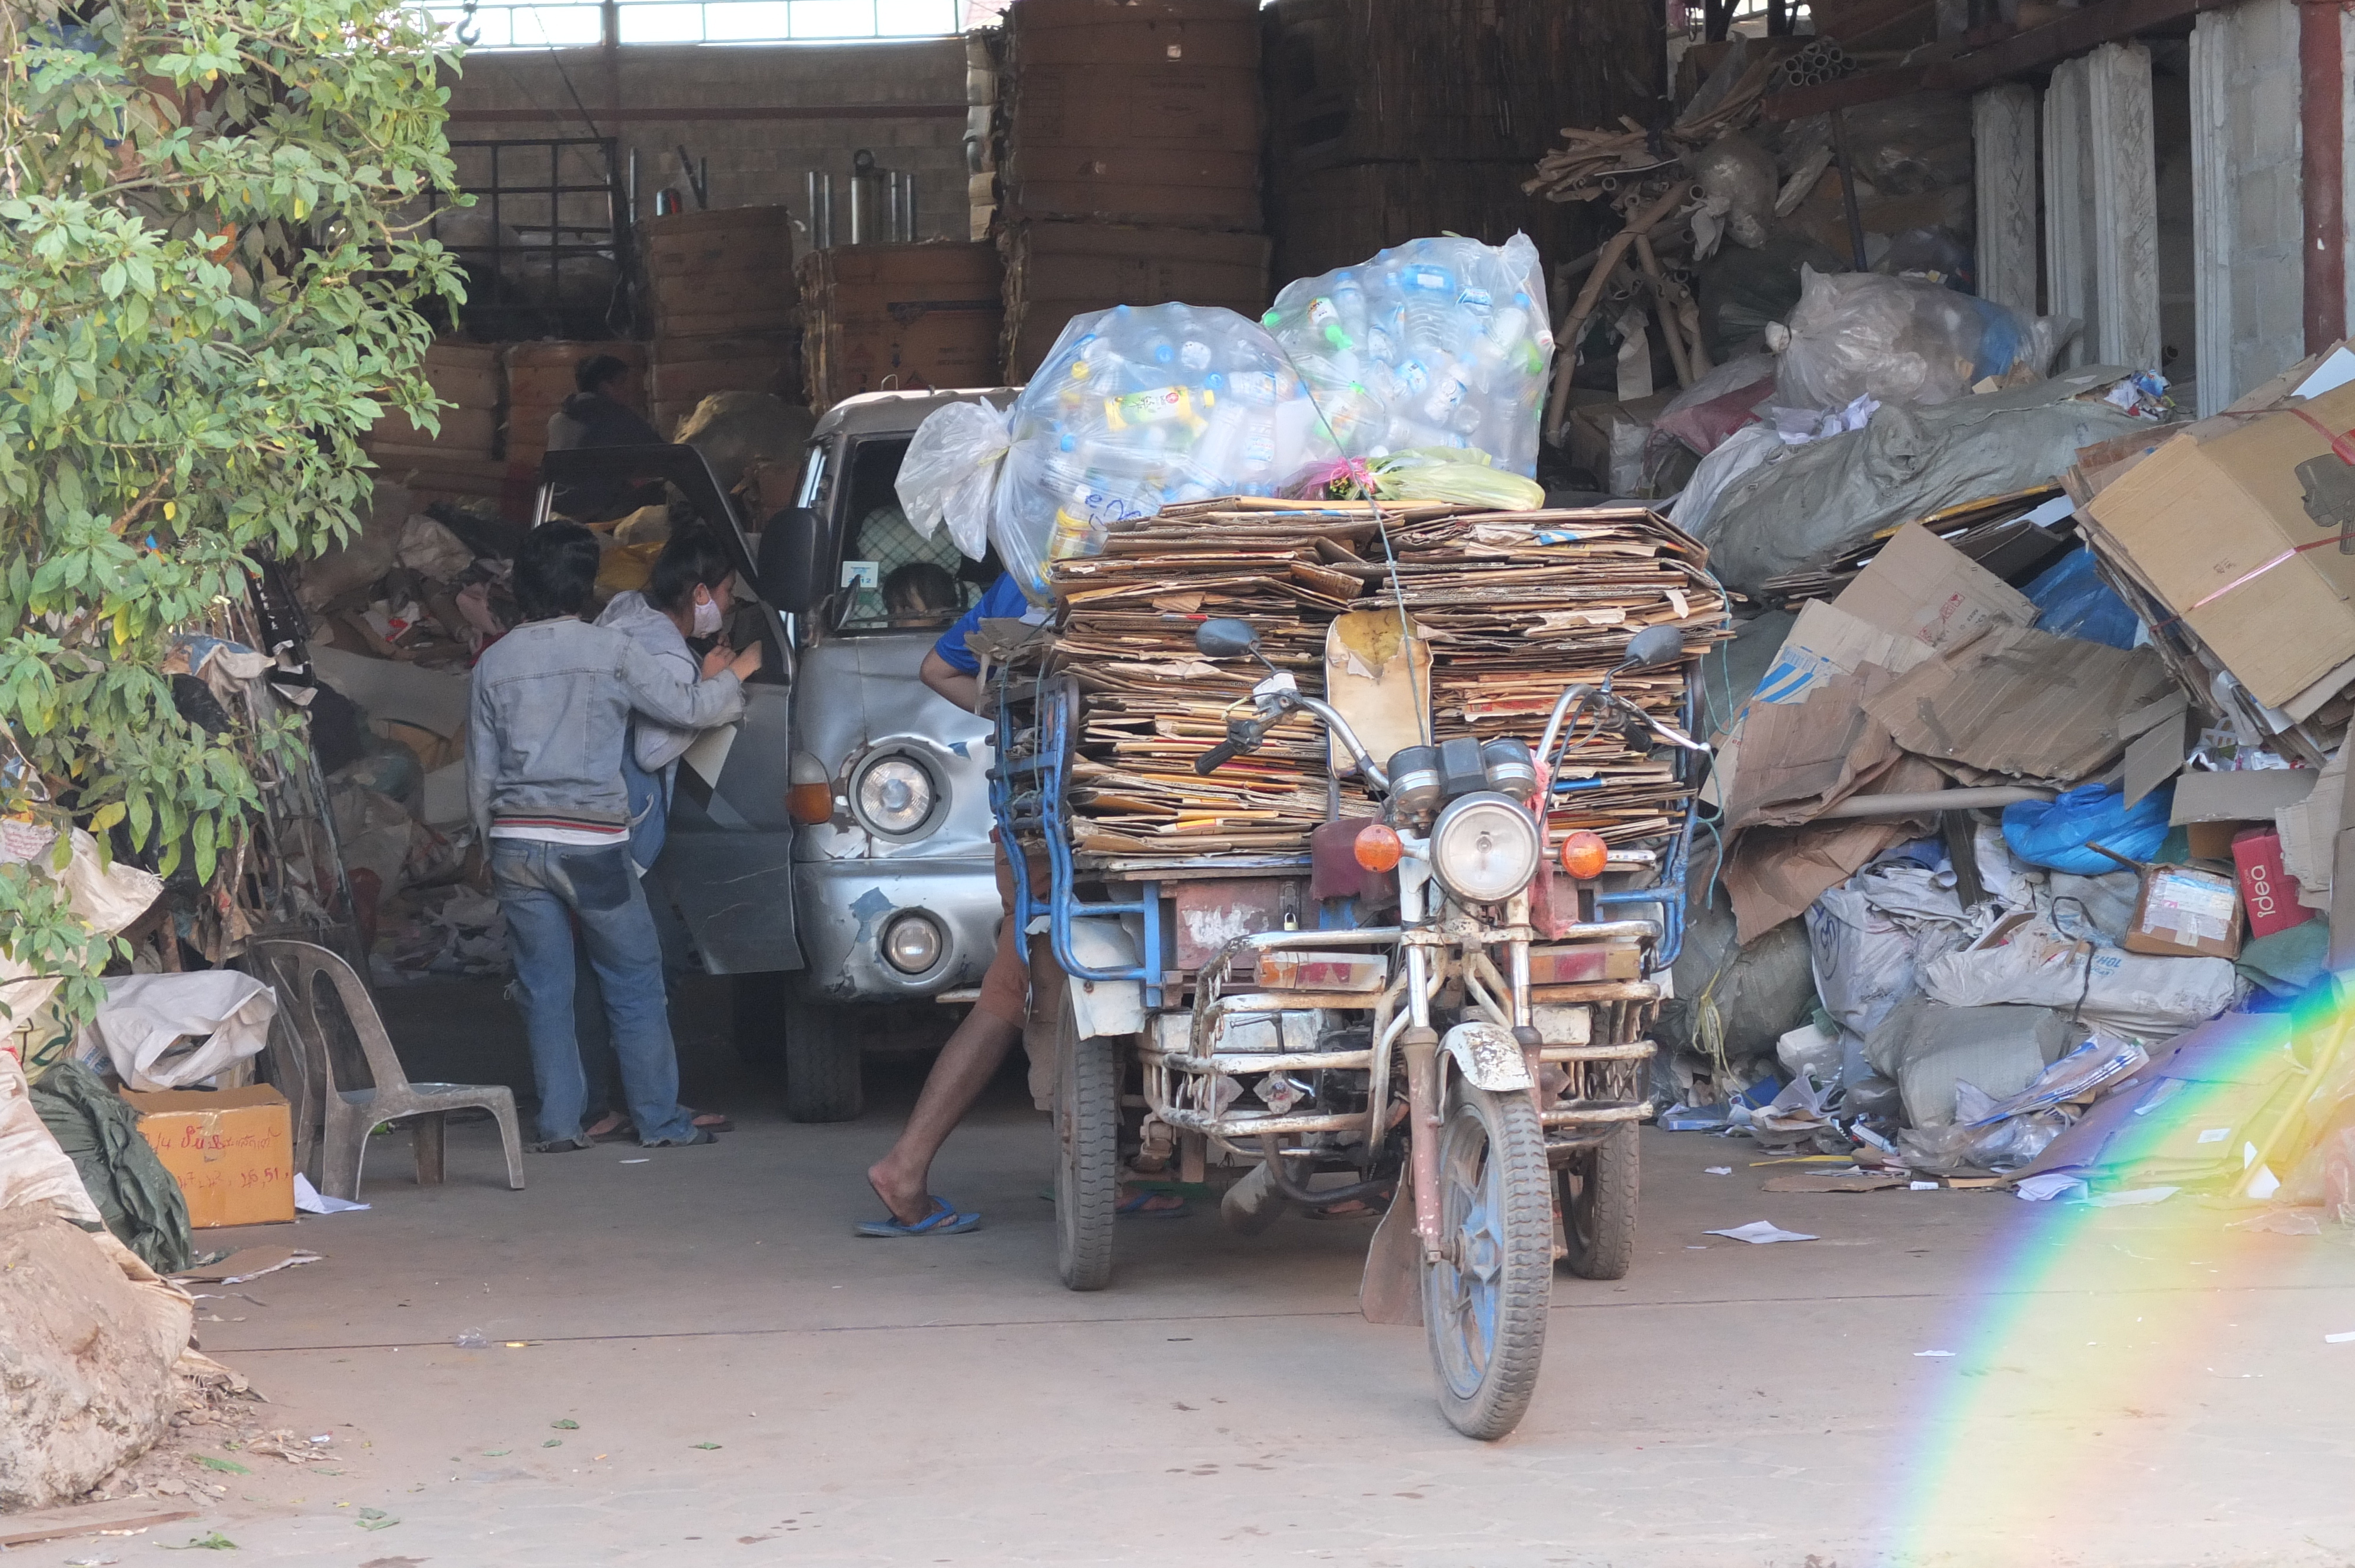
845, 906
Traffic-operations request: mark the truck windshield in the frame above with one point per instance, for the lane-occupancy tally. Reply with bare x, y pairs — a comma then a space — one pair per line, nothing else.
890, 578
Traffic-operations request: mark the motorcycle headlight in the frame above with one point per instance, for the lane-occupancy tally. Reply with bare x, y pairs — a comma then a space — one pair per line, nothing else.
895, 796
1485, 848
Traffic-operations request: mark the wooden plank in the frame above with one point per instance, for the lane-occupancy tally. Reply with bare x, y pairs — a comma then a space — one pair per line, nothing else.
2124, 320
2035, 49
83, 1518
2003, 135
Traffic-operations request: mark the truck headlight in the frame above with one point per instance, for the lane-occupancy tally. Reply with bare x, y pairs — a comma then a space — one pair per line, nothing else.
912, 943
895, 795
1485, 848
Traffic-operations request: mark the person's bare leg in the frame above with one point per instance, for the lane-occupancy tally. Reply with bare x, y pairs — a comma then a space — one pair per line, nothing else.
966, 1064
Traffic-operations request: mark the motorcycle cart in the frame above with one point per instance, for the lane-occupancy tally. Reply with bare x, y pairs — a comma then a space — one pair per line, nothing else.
1434, 1010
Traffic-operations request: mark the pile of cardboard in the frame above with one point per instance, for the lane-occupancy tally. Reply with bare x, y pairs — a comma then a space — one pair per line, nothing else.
880, 317
1127, 155
1512, 607
461, 461
1393, 119
725, 314
1925, 670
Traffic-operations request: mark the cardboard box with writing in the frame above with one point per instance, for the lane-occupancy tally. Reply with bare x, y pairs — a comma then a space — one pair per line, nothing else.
232, 1151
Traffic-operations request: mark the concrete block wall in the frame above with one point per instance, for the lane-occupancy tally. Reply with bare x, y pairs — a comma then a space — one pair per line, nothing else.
764, 116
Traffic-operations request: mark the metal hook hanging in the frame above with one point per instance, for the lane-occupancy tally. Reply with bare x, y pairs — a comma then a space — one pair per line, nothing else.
466, 32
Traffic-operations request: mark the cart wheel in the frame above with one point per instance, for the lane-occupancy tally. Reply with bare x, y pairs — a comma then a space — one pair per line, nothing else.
1087, 1151
1598, 1206
1485, 1310
822, 1078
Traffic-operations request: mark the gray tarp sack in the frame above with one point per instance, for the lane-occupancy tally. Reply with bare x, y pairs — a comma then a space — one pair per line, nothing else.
1816, 502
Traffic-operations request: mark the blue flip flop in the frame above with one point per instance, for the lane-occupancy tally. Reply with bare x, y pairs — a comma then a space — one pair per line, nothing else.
943, 1221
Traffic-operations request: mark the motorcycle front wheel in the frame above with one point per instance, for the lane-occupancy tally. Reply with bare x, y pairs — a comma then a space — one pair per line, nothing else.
1484, 1305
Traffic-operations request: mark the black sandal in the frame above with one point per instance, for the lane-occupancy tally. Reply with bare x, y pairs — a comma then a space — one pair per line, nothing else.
558, 1146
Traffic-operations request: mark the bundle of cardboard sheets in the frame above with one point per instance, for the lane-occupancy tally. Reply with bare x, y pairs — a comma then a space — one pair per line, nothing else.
1512, 608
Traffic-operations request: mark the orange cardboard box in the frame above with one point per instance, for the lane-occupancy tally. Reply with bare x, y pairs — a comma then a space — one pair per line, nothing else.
232, 1151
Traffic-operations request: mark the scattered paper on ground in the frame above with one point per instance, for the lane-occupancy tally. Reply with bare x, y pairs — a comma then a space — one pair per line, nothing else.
1759, 1233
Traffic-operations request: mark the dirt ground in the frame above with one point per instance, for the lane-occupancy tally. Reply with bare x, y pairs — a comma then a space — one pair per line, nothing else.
688, 1359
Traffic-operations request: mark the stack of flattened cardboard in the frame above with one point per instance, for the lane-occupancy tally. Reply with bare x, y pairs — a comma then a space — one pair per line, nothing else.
900, 317
1926, 668
1513, 606
1129, 160
1055, 270
1134, 112
460, 460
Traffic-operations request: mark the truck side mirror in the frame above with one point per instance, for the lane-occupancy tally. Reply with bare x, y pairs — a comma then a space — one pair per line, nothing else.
789, 560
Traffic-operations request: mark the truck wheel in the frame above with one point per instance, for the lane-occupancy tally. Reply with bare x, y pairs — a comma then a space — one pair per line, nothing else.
1485, 1304
822, 1081
1598, 1206
1087, 1151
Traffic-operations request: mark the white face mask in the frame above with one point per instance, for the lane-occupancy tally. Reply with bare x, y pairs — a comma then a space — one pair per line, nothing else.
707, 617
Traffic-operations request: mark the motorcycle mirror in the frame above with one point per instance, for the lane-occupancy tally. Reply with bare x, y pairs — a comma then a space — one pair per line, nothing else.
1653, 647
1226, 638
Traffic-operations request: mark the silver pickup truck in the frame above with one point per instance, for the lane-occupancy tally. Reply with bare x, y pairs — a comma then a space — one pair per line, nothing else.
831, 850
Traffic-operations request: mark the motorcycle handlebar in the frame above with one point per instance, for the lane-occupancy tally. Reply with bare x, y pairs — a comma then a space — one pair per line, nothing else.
1217, 757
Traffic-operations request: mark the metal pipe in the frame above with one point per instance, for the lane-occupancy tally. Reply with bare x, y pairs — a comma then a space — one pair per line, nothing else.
1203, 1122
1282, 1176
1930, 801
862, 209
2322, 157
1848, 192
1233, 1061
1636, 1112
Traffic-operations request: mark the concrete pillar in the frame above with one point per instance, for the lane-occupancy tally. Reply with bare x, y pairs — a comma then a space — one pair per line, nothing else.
2068, 202
2248, 218
2003, 138
2125, 207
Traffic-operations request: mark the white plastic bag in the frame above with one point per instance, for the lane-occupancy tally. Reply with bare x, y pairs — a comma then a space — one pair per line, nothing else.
226, 1013
1435, 343
1863, 959
2145, 997
951, 472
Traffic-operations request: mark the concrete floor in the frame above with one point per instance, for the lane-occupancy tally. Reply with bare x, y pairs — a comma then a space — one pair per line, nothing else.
754, 1385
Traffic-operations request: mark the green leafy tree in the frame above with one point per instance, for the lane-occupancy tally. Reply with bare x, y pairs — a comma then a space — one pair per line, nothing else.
212, 283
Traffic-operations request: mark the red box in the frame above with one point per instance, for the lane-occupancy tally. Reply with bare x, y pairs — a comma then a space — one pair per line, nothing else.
2269, 892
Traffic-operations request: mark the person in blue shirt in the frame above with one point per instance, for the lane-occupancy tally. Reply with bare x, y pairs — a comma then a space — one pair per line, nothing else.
979, 1046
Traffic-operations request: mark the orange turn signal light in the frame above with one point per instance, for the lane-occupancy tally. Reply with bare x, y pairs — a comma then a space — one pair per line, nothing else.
1378, 848
1584, 854
810, 804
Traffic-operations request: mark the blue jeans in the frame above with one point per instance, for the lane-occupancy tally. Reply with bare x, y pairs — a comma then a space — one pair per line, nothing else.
542, 887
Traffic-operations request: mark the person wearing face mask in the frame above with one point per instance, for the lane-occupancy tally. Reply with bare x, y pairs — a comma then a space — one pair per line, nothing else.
688, 595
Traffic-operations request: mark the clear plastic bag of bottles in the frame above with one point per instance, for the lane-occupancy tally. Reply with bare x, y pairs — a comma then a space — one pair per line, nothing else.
1436, 343
1139, 407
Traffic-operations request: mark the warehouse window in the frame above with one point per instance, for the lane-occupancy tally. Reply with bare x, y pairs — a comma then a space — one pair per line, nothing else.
573, 24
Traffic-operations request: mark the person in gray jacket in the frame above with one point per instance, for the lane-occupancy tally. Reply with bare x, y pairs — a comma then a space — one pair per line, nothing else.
547, 720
